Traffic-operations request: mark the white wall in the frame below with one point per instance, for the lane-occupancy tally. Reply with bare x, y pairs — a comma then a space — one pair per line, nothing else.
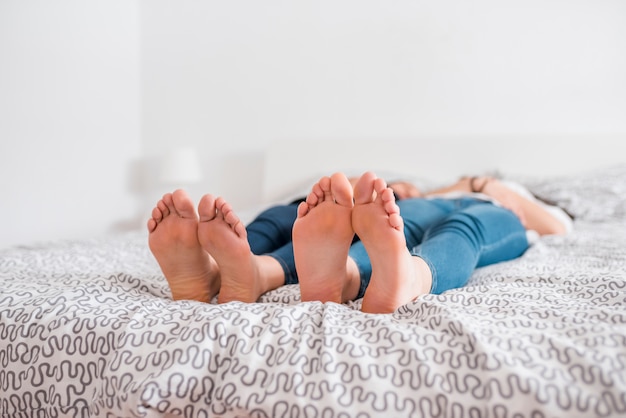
229, 77
69, 117
89, 88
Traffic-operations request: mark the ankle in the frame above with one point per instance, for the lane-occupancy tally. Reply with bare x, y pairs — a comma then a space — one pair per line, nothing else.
352, 283
422, 276
271, 273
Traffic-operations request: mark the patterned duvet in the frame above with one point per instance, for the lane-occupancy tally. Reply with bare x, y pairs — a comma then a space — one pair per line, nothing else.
88, 328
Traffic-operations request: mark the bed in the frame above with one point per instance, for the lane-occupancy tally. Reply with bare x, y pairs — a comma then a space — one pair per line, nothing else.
88, 328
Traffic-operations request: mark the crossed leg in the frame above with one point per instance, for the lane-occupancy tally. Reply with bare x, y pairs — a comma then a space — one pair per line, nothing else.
200, 257
191, 273
397, 276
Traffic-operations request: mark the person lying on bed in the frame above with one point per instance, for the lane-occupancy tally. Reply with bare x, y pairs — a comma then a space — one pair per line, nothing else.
406, 247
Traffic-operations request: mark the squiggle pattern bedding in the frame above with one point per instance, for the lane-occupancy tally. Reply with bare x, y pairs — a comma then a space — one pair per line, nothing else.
88, 328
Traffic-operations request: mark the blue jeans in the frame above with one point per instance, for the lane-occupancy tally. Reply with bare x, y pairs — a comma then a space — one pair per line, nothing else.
453, 236
270, 234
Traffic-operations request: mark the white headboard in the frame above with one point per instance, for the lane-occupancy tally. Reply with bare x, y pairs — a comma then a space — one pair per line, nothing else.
292, 165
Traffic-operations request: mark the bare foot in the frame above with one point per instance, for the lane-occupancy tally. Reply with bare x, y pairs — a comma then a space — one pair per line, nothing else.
397, 277
322, 235
244, 276
173, 240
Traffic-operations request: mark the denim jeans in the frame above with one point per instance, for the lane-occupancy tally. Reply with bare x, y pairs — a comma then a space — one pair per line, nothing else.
270, 234
453, 236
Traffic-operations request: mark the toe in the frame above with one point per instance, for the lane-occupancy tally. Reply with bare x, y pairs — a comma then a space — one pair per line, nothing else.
380, 185
163, 209
364, 188
168, 204
313, 199
207, 208
303, 209
341, 190
318, 191
396, 222
157, 214
325, 186
183, 204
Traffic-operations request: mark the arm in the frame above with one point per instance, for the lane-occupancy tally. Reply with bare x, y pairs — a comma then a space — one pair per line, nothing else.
532, 215
463, 185
402, 189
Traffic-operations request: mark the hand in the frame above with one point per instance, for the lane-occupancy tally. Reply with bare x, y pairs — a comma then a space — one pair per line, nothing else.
405, 190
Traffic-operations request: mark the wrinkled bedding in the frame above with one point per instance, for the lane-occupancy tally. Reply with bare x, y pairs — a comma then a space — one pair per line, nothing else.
88, 328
